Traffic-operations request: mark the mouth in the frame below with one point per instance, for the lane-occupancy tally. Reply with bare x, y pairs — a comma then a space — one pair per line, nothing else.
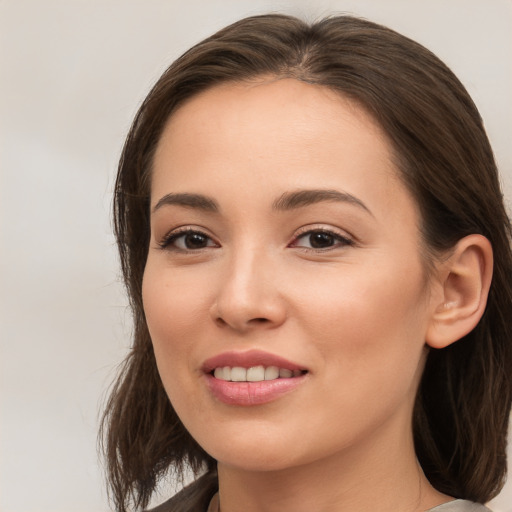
254, 373
252, 378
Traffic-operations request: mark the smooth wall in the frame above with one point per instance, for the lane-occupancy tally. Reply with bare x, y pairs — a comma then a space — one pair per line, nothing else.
72, 73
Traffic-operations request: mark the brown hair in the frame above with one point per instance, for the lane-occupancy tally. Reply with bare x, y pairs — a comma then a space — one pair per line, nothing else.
444, 157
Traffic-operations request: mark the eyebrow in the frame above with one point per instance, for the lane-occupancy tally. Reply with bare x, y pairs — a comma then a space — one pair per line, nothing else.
301, 198
287, 201
196, 201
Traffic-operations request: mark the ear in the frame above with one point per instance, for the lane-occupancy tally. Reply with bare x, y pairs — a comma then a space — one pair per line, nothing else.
465, 279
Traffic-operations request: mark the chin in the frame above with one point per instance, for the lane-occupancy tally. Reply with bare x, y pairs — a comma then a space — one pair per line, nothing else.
258, 461
255, 454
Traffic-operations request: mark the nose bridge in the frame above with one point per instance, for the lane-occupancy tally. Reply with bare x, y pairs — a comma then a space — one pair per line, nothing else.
248, 294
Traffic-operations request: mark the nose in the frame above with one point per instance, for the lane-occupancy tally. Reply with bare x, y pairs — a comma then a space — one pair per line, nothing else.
248, 295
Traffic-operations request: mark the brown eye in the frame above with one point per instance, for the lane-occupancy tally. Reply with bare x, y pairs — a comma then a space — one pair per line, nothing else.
320, 239
195, 241
187, 241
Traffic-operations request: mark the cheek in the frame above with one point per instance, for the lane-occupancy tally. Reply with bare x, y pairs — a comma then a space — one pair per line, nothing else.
172, 302
175, 315
174, 310
367, 320
370, 333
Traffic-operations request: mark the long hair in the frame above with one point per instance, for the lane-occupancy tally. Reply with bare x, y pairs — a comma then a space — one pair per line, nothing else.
443, 155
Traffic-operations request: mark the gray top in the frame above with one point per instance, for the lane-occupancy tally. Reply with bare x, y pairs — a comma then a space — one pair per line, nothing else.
451, 506
202, 495
460, 506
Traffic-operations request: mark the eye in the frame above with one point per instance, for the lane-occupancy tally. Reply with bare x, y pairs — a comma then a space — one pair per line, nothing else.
321, 239
187, 240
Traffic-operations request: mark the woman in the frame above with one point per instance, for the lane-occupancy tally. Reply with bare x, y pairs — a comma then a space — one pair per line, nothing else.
314, 242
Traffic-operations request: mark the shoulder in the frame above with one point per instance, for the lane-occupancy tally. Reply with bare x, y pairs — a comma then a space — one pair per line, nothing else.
460, 506
193, 498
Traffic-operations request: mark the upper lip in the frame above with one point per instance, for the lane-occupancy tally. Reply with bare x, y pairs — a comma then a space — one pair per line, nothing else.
248, 359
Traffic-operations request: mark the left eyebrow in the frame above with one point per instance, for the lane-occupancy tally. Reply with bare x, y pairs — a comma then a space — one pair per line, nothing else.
186, 200
301, 198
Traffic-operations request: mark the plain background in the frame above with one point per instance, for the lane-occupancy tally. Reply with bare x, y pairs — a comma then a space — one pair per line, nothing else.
72, 74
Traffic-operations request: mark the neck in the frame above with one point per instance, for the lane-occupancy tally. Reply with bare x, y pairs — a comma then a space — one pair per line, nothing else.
382, 475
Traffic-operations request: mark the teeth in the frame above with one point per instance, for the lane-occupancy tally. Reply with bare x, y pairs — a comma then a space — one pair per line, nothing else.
238, 374
271, 373
254, 374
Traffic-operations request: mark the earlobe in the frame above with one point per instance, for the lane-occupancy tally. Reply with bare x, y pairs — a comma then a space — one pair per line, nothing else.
465, 278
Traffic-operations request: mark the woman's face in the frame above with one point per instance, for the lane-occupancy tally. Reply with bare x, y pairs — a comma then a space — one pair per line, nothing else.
284, 247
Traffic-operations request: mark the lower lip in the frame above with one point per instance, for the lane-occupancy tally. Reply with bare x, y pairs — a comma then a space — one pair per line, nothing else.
252, 393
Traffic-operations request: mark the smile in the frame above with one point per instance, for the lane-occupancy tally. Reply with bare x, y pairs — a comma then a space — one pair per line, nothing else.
252, 377
255, 373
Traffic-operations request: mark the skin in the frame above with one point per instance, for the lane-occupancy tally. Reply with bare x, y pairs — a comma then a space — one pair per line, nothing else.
355, 314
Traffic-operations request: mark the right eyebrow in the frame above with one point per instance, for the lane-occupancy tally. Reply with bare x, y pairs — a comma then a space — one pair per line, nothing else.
301, 198
197, 201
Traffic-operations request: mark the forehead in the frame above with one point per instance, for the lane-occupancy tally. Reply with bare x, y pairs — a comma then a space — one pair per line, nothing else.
278, 133
283, 110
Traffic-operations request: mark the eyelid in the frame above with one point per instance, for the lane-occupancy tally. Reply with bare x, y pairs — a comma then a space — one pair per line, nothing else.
166, 241
347, 239
344, 238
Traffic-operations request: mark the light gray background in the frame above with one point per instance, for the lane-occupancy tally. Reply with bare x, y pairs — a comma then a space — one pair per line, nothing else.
72, 74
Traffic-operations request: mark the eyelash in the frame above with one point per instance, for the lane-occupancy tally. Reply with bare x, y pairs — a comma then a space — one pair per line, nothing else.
342, 241
170, 238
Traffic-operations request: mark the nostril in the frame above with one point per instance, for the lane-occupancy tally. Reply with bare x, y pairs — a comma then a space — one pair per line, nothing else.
253, 321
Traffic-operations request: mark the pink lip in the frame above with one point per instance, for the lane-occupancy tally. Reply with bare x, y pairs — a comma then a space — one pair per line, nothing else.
247, 360
250, 393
